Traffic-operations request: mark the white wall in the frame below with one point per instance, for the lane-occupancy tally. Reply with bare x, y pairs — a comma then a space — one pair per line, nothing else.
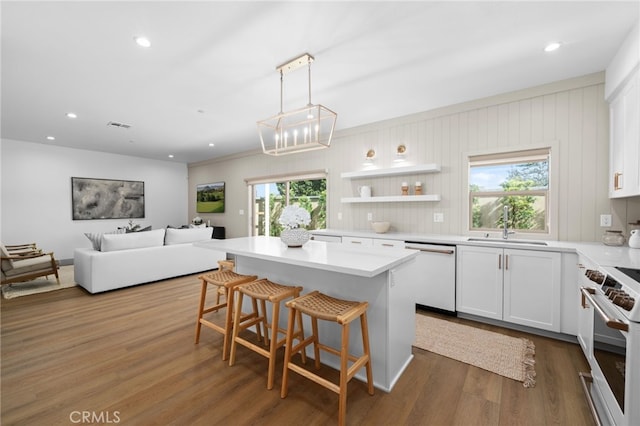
36, 193
572, 116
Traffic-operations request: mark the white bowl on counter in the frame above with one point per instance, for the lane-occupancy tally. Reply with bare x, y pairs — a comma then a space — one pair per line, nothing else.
380, 227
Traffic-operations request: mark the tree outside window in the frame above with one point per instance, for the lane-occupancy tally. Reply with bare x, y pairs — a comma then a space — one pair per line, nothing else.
519, 181
272, 198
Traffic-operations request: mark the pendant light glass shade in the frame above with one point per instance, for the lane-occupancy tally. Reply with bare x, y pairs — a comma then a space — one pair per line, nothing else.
304, 129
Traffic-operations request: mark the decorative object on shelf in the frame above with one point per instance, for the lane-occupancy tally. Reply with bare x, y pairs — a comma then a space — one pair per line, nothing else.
401, 152
634, 239
197, 220
380, 227
613, 238
405, 188
304, 129
364, 191
292, 218
418, 190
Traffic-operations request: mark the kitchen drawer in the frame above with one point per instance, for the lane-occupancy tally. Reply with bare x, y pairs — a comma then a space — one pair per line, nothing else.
357, 241
379, 242
327, 238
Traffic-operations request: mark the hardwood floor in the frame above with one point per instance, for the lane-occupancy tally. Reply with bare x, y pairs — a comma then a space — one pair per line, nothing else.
128, 357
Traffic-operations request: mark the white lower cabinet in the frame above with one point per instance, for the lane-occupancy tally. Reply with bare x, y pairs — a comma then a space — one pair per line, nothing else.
513, 285
379, 242
357, 241
327, 238
375, 242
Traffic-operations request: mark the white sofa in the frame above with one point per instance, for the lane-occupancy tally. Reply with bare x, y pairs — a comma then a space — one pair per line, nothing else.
124, 260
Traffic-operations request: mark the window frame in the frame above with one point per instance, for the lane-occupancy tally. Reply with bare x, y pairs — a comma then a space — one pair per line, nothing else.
513, 155
282, 178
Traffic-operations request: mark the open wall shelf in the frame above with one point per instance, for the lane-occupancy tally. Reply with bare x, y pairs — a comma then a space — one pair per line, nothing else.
394, 171
391, 199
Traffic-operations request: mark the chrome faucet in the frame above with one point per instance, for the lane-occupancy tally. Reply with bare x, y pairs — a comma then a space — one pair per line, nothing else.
505, 218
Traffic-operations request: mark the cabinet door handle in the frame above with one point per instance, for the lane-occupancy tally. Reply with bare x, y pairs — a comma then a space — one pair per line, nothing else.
356, 242
506, 261
616, 181
499, 261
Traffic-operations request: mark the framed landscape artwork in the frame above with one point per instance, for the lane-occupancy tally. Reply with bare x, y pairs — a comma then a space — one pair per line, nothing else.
106, 199
210, 198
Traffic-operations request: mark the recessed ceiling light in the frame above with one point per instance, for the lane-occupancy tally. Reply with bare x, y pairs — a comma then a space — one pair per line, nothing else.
142, 41
170, 155
51, 138
552, 46
212, 144
71, 115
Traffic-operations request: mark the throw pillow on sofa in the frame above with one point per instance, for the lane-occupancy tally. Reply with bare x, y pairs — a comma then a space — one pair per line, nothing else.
96, 237
190, 235
133, 240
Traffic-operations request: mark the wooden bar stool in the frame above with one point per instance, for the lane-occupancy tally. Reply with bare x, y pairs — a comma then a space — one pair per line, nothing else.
321, 306
224, 265
226, 282
264, 291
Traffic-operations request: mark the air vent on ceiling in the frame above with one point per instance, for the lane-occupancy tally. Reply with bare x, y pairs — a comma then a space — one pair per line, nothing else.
116, 124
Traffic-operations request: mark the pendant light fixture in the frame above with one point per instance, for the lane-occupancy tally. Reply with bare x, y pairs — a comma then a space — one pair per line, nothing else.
304, 129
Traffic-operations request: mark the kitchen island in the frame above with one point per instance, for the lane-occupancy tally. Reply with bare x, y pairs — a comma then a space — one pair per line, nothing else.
376, 275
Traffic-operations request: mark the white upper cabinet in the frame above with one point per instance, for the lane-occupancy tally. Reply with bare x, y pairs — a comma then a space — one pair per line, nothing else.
624, 156
622, 90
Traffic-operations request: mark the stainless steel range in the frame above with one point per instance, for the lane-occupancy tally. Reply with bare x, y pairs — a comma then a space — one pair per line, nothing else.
609, 333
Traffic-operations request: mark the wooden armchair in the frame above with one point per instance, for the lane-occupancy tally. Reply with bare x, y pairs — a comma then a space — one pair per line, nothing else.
22, 249
26, 265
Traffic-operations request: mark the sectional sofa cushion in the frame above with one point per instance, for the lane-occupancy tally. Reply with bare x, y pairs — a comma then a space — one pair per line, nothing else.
96, 237
190, 235
115, 242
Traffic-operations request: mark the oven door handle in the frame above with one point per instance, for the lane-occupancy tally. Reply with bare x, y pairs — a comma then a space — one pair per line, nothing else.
587, 293
585, 380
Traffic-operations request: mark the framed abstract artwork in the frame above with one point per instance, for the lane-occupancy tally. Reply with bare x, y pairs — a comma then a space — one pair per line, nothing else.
106, 199
210, 197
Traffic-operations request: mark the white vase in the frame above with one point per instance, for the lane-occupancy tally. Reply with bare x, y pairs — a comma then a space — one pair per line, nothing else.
294, 237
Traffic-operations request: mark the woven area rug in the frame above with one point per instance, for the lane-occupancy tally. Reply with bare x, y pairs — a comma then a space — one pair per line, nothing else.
507, 356
40, 285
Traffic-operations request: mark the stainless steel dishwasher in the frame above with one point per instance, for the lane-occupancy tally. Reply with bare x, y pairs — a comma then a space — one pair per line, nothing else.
435, 272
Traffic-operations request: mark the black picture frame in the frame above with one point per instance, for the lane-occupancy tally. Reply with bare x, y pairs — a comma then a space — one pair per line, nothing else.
93, 198
210, 197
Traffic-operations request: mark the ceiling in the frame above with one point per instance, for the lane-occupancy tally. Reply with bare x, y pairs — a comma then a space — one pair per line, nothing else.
209, 74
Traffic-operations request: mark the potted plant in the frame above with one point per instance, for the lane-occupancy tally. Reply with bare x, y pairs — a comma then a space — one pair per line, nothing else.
292, 219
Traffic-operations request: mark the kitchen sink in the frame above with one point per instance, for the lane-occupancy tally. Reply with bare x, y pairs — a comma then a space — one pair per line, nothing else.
502, 241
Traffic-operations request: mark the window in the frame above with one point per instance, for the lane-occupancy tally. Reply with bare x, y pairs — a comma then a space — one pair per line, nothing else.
271, 195
518, 181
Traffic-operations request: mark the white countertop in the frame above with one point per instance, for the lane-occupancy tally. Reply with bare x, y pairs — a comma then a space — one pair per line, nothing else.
361, 261
597, 252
